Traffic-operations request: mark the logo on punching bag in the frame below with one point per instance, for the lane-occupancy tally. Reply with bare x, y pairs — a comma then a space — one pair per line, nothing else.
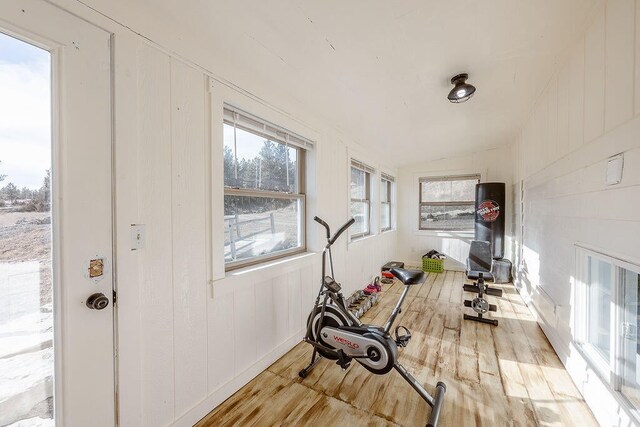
488, 210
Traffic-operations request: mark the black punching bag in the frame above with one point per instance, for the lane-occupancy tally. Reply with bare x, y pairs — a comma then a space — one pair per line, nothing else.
490, 213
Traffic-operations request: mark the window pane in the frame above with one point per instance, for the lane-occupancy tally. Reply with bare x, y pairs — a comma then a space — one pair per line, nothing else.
385, 186
447, 191
385, 216
599, 306
360, 211
27, 285
452, 217
358, 184
256, 226
261, 163
631, 340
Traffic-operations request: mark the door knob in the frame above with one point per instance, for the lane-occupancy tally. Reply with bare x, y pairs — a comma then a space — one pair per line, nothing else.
97, 301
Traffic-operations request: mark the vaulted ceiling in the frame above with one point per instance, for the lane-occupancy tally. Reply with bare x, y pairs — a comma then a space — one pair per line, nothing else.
379, 69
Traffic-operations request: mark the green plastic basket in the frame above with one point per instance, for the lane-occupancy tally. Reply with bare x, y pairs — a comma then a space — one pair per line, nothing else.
432, 265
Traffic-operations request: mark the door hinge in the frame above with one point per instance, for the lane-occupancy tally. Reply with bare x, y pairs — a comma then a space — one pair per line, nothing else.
114, 298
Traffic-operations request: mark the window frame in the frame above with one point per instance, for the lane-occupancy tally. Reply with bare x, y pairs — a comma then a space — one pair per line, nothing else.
390, 193
594, 356
369, 172
610, 372
421, 203
278, 135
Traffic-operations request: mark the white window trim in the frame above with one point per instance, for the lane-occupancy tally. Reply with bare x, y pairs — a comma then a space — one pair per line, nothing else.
609, 373
371, 172
263, 127
392, 201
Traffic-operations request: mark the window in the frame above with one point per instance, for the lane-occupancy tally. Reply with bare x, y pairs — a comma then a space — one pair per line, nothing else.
630, 382
386, 209
607, 296
598, 297
264, 200
361, 199
448, 202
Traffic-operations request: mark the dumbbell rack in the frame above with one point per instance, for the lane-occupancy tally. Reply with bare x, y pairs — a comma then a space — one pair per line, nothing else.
359, 303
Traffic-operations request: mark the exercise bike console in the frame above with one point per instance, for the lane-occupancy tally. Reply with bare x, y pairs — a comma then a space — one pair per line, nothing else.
331, 284
338, 335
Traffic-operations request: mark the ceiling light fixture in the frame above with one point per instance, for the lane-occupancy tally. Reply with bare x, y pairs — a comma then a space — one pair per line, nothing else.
461, 91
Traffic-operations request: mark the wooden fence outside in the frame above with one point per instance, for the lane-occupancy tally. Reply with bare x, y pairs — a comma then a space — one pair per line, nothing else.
233, 227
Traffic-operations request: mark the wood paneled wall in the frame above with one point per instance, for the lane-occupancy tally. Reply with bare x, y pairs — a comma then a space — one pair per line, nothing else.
589, 112
190, 334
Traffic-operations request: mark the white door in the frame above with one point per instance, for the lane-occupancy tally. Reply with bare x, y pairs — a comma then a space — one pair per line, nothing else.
56, 353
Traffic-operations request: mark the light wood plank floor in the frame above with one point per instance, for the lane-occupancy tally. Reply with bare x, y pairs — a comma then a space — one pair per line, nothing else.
504, 375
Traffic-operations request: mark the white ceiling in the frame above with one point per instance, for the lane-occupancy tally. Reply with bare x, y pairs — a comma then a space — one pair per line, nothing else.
380, 69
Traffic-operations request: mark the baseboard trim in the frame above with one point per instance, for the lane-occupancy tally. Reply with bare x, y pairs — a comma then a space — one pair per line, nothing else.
226, 390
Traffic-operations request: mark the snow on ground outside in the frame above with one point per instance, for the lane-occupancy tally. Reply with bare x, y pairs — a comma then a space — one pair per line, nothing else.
34, 422
26, 320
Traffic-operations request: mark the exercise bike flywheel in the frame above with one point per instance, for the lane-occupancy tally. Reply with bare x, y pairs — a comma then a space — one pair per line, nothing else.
333, 318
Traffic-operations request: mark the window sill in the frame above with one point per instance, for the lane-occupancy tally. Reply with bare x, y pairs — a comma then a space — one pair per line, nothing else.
361, 239
446, 233
391, 230
269, 264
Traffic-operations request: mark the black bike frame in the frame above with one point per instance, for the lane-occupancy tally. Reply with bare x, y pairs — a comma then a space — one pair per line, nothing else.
435, 402
338, 299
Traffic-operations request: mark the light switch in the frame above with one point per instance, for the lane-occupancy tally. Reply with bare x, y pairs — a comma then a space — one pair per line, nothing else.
615, 165
137, 236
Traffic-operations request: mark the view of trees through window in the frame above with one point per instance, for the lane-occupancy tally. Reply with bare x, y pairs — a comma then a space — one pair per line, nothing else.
252, 161
263, 206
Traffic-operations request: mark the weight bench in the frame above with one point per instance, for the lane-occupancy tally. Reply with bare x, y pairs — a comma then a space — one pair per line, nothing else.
480, 260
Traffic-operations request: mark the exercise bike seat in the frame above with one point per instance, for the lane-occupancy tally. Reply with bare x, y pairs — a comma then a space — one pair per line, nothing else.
409, 277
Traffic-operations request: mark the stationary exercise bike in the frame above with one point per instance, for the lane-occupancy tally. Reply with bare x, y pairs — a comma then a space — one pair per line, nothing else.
338, 335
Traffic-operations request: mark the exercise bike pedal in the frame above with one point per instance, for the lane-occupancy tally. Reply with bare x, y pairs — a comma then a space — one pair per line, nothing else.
343, 361
402, 340
344, 365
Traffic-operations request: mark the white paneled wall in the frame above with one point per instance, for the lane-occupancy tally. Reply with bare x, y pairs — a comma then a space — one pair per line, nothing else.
189, 116
189, 334
588, 113
492, 165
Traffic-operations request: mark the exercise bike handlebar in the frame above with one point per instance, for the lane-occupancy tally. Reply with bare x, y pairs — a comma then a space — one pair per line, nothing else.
342, 230
324, 224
